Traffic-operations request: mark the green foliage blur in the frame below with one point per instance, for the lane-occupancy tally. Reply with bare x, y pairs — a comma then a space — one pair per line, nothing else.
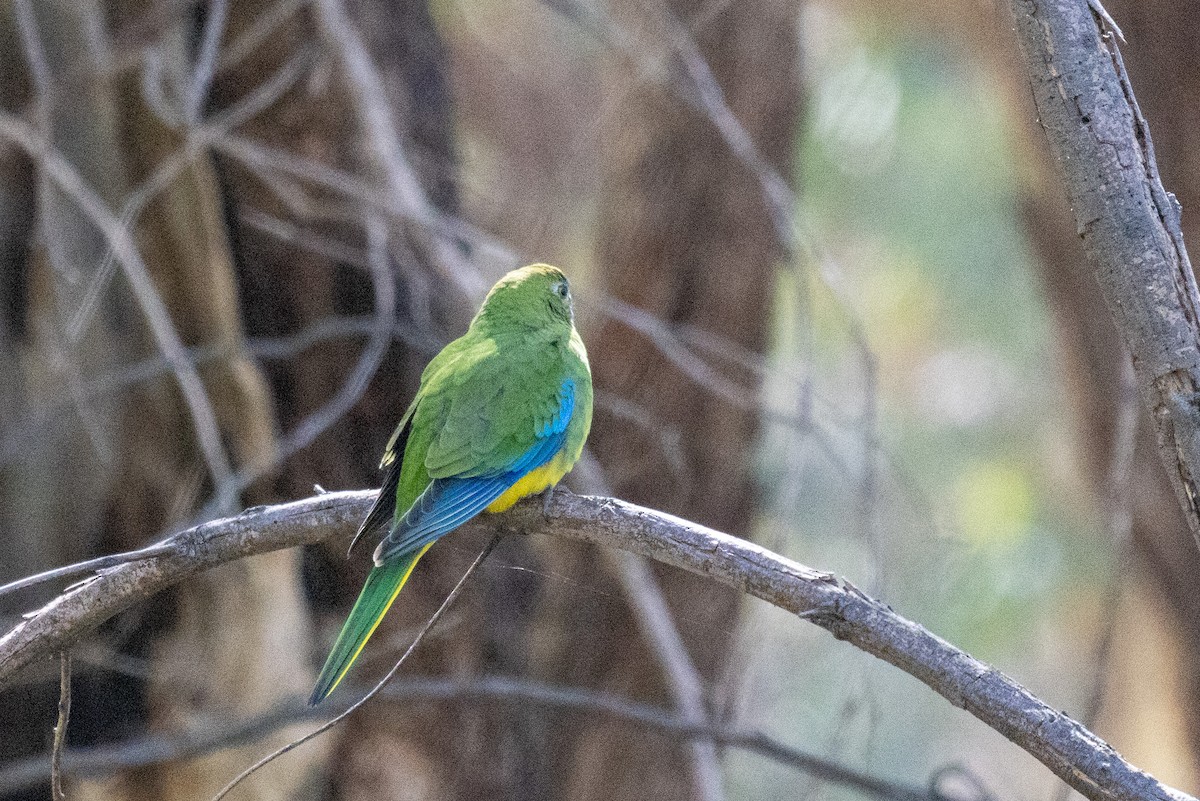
969, 515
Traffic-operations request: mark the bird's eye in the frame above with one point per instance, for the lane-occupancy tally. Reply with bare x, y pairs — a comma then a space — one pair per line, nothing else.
561, 290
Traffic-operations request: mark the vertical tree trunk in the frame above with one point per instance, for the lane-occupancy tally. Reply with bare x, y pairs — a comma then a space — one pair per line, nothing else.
684, 235
125, 469
387, 751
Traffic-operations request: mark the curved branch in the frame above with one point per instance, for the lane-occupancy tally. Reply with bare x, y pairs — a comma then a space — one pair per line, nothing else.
1129, 223
1072, 752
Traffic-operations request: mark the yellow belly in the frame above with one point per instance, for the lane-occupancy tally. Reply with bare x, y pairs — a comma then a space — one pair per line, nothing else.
532, 483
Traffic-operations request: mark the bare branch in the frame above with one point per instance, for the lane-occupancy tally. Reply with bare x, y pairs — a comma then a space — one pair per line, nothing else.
90, 566
263, 27
1068, 749
103, 761
654, 617
39, 66
1129, 223
1118, 504
196, 143
648, 604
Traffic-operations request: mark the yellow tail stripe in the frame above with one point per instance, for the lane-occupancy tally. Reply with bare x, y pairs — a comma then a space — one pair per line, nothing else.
378, 620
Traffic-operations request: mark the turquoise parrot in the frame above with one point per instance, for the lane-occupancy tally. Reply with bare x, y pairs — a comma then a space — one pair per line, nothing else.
502, 412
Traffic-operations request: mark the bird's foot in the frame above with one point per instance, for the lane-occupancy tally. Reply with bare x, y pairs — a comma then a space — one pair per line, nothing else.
547, 497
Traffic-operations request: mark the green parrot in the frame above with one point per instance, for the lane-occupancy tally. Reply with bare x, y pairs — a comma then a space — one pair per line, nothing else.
502, 412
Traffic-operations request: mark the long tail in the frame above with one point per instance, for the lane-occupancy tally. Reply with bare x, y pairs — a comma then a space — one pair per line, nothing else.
383, 585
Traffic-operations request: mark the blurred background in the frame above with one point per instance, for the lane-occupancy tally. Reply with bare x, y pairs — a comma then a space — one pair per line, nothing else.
834, 302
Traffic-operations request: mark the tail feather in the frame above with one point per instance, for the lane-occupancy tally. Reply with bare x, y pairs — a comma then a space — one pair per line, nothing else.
383, 585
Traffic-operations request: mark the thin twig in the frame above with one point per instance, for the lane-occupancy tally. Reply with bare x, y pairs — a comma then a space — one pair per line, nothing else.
198, 140
658, 628
266, 348
39, 65
654, 618
206, 60
429, 624
367, 93
103, 761
1119, 519
1066, 747
697, 85
1118, 507
264, 25
60, 729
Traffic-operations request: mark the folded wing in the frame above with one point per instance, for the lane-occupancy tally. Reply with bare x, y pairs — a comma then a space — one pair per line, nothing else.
486, 464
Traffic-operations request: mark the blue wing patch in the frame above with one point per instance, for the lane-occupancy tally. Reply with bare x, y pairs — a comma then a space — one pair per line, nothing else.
447, 503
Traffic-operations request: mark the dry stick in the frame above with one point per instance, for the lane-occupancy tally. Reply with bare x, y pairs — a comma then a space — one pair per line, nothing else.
60, 730
265, 348
196, 144
206, 62
429, 624
264, 26
703, 91
654, 617
1129, 223
39, 65
1066, 747
1118, 502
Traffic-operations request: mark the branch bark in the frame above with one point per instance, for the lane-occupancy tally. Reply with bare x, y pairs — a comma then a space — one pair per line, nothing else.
1073, 753
1128, 222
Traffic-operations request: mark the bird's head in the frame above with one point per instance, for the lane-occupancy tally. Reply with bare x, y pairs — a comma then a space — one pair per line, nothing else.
532, 296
